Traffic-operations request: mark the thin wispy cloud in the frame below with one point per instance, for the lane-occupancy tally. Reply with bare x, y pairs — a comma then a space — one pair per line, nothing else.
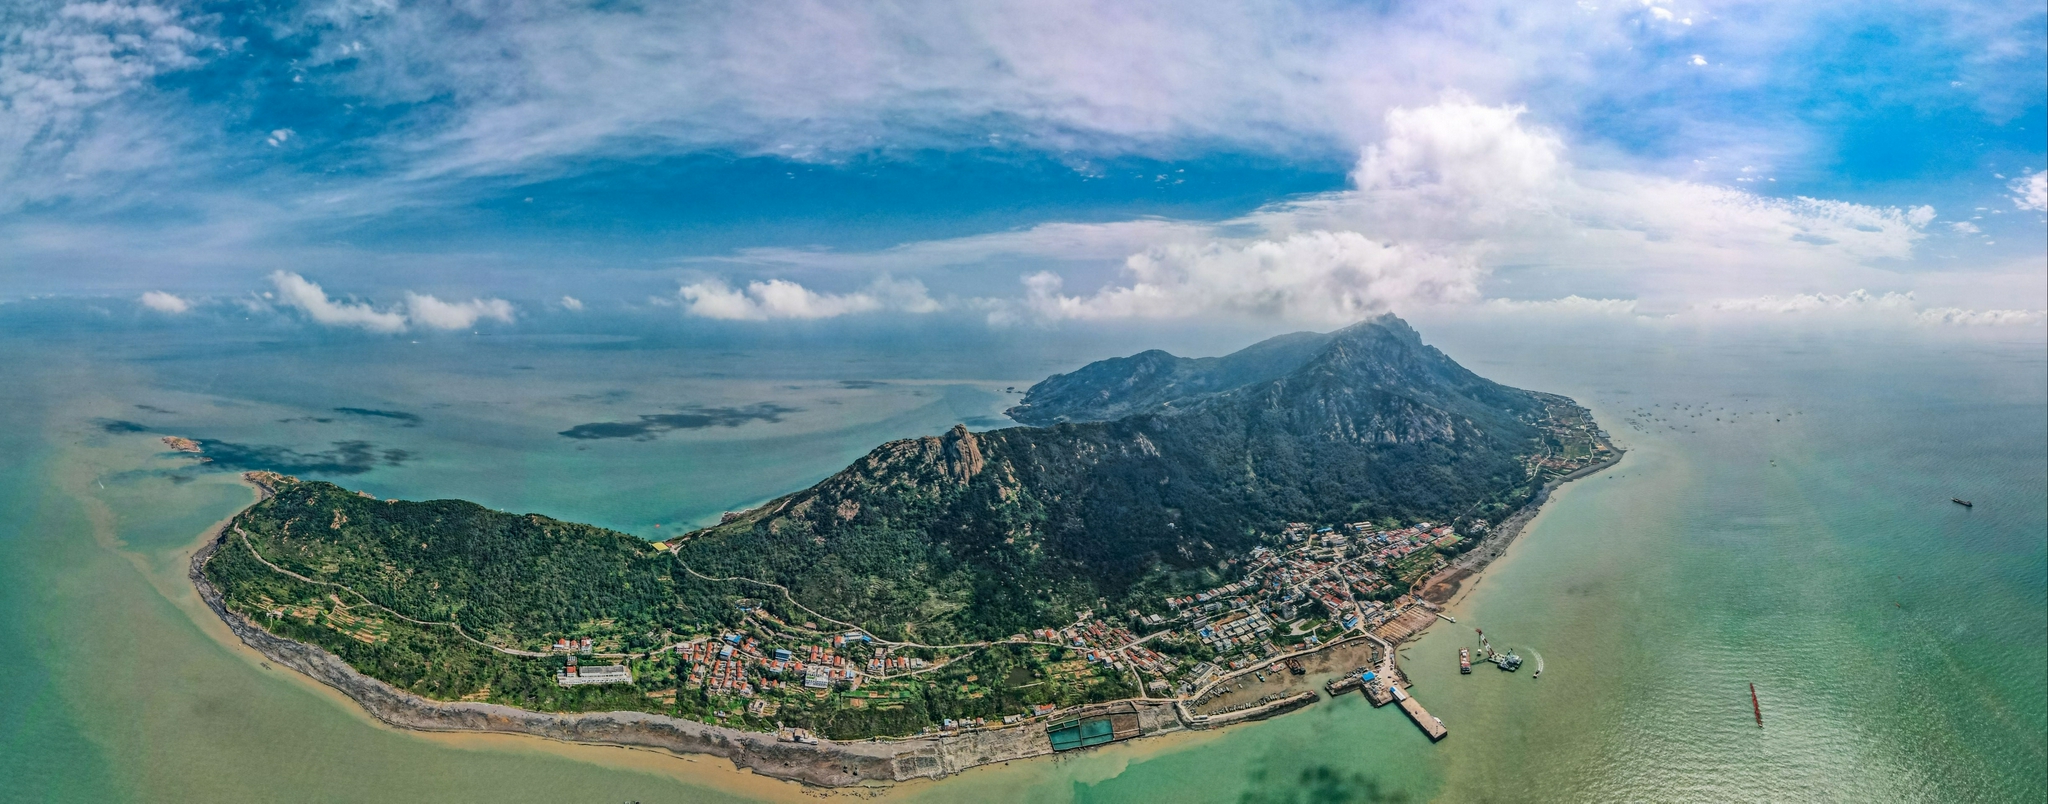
1864, 305
1671, 153
61, 66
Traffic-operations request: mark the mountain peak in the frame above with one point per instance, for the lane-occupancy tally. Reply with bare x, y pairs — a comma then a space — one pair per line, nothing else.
1155, 381
1160, 467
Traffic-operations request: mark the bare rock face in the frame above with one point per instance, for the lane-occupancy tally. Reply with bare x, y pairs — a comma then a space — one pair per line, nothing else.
962, 455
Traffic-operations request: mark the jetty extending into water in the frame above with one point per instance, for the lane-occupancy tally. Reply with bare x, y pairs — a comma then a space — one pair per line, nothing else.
1430, 725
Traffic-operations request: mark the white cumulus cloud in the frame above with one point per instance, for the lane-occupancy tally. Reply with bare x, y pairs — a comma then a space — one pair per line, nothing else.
428, 311
2031, 191
1329, 277
783, 299
164, 302
572, 304
418, 310
1460, 147
296, 291
1456, 194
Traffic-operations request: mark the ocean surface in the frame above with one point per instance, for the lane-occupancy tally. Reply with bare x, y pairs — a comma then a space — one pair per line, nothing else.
1782, 519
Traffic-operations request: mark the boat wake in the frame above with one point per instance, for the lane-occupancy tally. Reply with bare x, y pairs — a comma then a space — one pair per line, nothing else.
1539, 662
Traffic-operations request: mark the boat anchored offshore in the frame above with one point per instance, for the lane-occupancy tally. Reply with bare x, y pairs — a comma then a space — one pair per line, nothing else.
1465, 660
1962, 502
1508, 661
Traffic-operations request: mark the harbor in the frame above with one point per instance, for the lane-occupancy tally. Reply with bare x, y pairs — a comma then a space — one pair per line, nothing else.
1430, 725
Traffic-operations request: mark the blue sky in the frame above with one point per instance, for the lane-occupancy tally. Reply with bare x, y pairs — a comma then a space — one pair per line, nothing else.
391, 166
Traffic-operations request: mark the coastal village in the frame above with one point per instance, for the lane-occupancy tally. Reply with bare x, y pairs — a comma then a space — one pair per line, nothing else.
1347, 590
1313, 610
1317, 587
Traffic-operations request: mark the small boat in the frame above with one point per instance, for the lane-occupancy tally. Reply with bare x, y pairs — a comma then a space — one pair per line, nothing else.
1294, 666
1962, 502
1758, 706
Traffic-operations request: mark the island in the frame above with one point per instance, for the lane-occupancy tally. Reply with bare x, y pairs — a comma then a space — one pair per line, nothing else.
1157, 532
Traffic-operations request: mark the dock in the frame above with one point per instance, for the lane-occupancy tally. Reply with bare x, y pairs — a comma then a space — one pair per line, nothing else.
1430, 725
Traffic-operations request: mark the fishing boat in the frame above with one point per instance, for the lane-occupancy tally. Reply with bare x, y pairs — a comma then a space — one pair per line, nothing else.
1962, 502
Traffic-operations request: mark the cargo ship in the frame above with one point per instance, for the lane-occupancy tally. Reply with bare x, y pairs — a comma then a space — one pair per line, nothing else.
1465, 660
1962, 502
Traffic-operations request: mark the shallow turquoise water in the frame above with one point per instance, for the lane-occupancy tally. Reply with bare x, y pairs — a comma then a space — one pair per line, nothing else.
1803, 543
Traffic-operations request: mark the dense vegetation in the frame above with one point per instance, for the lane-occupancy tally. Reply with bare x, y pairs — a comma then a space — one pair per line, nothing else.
430, 660
520, 581
960, 538
524, 581
1151, 380
976, 536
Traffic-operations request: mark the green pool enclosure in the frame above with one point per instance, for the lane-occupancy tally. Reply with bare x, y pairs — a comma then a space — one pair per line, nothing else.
1068, 735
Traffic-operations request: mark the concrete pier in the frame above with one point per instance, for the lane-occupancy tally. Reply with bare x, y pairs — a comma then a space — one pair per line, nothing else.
1430, 725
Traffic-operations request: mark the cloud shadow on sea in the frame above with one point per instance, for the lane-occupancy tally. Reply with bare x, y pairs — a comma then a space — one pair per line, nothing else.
1318, 784
345, 458
407, 419
651, 425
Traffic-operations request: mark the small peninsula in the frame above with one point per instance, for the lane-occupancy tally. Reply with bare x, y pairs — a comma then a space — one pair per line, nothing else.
1158, 528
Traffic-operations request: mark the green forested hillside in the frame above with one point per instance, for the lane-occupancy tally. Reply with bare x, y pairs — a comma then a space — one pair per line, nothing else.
518, 581
933, 546
1144, 382
385, 585
974, 536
